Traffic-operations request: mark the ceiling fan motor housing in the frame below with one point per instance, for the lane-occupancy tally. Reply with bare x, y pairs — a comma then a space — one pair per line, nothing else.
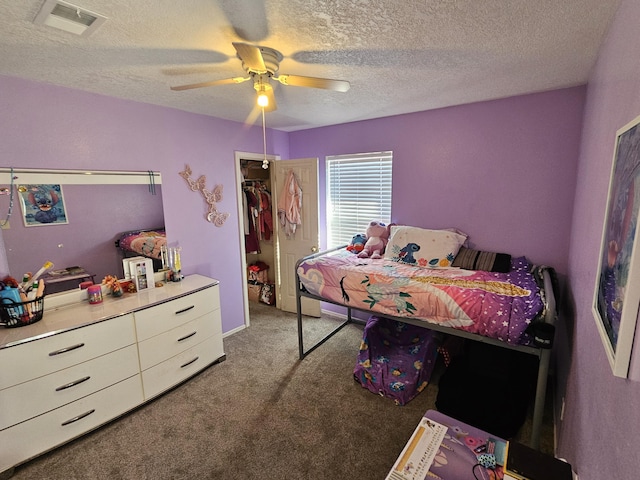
271, 59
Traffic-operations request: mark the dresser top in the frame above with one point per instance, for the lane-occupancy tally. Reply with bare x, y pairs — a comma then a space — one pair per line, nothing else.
60, 319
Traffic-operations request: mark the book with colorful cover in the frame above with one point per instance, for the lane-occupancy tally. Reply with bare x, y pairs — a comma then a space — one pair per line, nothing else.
418, 454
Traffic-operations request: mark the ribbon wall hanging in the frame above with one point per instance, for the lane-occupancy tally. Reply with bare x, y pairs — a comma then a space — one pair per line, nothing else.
211, 197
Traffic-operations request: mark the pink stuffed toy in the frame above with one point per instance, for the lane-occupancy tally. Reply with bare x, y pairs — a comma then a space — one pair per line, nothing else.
377, 238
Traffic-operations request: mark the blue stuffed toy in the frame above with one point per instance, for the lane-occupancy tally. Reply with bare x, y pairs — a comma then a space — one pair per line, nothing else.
357, 243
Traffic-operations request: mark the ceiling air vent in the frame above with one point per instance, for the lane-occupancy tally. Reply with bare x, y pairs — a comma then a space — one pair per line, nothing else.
68, 17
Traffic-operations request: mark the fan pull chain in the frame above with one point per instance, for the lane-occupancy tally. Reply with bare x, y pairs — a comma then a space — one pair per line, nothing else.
265, 162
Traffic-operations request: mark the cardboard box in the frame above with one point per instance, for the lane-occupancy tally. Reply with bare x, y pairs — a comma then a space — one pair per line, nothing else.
254, 292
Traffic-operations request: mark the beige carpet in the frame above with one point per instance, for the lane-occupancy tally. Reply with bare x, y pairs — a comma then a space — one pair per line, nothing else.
261, 414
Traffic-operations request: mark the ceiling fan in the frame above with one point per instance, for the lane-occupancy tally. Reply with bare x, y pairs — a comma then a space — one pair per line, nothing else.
261, 65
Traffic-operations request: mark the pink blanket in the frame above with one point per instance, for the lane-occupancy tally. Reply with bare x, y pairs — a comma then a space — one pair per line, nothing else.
144, 242
495, 305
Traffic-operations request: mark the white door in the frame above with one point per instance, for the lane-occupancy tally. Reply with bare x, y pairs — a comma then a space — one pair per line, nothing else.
306, 239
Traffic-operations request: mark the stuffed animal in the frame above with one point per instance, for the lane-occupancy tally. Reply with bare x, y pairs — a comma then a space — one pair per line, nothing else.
357, 243
377, 238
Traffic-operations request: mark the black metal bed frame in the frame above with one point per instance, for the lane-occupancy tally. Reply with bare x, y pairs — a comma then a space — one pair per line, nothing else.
543, 353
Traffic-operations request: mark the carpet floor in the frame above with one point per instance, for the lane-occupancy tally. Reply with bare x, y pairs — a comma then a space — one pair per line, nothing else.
261, 414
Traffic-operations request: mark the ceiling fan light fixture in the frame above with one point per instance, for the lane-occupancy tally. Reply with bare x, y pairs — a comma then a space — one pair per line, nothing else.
263, 99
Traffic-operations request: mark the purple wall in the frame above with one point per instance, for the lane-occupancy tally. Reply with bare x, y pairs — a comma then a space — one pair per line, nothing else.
502, 171
602, 419
43, 126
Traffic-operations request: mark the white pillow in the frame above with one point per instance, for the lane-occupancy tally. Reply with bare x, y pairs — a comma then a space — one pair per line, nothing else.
422, 247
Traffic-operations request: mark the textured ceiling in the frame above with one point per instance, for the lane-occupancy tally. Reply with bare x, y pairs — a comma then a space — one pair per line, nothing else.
400, 56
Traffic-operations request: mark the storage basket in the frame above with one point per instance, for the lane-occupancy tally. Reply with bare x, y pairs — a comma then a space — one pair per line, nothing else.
18, 314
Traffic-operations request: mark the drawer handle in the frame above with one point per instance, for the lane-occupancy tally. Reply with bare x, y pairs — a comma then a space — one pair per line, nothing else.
187, 336
79, 417
189, 362
66, 349
185, 310
72, 384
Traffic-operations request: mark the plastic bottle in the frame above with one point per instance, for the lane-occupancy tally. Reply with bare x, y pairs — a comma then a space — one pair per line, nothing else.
31, 294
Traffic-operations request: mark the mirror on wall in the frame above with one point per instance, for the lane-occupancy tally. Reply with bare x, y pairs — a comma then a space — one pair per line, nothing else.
74, 219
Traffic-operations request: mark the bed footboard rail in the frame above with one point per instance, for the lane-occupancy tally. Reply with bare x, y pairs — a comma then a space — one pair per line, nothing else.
301, 292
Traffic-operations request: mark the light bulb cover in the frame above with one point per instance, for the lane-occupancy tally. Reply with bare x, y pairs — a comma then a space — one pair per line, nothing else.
263, 100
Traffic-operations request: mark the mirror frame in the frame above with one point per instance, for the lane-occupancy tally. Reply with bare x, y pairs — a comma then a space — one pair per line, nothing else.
11, 177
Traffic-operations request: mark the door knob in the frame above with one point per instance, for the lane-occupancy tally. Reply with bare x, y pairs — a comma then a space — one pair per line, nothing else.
314, 249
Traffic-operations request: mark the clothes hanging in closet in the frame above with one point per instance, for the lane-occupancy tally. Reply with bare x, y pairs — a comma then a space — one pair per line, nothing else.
259, 222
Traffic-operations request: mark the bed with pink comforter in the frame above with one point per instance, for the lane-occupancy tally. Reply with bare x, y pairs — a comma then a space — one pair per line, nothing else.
148, 243
495, 305
490, 307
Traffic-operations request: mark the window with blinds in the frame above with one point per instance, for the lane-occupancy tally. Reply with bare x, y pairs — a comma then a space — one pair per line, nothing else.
358, 191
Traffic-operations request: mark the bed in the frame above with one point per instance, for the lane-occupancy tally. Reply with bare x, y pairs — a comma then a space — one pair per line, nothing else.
147, 243
512, 309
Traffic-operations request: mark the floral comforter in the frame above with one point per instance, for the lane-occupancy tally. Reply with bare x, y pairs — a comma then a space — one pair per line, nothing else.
144, 242
495, 305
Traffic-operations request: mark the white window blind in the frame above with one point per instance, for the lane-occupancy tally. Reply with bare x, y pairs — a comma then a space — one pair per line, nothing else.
358, 191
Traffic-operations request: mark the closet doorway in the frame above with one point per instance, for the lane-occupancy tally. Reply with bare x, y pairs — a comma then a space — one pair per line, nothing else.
281, 252
257, 223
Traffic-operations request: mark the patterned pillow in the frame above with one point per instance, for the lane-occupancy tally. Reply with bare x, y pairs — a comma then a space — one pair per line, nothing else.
477, 260
422, 247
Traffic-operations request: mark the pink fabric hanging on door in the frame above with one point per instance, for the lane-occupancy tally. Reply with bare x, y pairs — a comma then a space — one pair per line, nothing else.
290, 205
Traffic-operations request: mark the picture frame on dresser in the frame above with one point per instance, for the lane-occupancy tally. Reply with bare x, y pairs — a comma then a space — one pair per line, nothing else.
616, 296
142, 274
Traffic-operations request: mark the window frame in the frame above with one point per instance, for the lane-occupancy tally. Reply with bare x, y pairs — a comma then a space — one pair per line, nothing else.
364, 192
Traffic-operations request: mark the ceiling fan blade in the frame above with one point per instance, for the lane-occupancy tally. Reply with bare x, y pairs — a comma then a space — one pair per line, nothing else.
325, 83
248, 18
251, 57
253, 116
226, 81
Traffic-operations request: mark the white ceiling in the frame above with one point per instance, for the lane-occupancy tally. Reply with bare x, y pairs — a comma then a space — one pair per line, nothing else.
399, 55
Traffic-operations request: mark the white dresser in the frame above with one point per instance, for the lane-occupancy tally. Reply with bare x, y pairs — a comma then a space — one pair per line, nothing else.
83, 365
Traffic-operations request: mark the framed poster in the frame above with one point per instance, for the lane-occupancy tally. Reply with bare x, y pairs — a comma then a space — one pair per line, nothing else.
617, 291
42, 205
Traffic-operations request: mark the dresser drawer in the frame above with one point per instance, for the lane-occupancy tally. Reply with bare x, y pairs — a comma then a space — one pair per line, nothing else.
43, 394
27, 439
51, 354
168, 344
165, 375
155, 320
